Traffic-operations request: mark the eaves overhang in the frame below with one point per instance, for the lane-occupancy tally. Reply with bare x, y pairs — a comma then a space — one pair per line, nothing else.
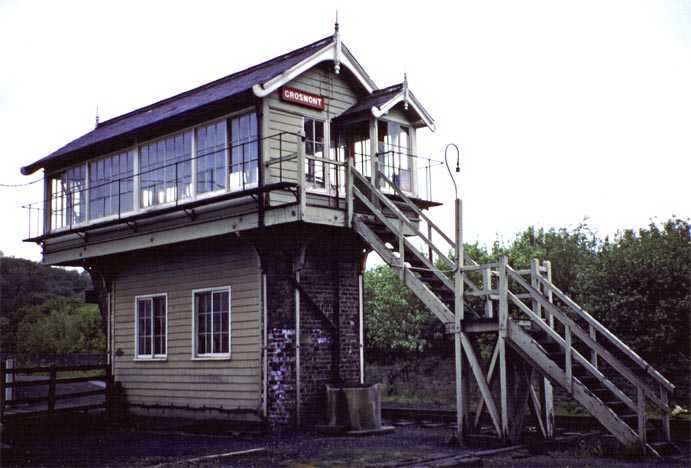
409, 101
332, 52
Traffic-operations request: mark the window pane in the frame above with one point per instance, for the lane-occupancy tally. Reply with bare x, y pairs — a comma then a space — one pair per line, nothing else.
244, 169
151, 327
144, 326
211, 158
212, 318
159, 324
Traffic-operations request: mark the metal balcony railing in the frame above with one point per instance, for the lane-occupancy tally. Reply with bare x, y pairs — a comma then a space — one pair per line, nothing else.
82, 202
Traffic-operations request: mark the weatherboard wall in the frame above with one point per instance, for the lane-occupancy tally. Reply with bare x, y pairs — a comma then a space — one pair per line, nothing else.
181, 380
281, 116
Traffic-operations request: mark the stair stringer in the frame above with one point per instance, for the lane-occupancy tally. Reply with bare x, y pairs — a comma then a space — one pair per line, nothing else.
418, 287
530, 351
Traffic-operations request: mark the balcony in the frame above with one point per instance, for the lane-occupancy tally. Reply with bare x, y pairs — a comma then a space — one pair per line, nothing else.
245, 191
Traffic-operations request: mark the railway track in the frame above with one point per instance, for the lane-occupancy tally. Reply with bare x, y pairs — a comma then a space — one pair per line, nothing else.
431, 417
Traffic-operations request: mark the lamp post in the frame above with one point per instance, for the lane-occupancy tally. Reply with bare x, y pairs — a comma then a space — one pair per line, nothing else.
461, 387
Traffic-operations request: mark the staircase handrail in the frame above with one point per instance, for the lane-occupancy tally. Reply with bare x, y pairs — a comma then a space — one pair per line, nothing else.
604, 331
398, 192
579, 357
585, 338
390, 205
394, 230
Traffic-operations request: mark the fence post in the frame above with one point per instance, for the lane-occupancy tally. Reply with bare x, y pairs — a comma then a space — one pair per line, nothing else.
8, 378
51, 390
3, 396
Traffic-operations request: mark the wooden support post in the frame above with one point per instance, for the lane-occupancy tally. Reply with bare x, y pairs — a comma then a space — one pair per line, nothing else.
503, 297
568, 368
665, 414
51, 390
509, 395
593, 353
487, 286
537, 409
430, 253
535, 283
401, 242
548, 392
641, 417
522, 388
503, 333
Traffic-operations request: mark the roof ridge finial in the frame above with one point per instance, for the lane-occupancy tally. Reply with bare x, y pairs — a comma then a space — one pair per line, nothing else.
405, 90
337, 40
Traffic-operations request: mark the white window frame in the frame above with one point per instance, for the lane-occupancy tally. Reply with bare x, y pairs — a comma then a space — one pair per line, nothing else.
326, 160
195, 336
92, 189
197, 194
153, 356
232, 143
63, 205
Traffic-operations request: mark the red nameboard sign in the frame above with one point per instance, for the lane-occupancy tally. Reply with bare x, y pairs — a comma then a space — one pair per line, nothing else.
303, 98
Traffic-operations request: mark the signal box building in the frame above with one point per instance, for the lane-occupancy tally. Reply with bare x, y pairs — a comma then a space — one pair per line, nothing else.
226, 230
218, 227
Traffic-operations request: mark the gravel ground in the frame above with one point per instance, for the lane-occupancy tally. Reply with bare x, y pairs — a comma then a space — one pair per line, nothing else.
96, 445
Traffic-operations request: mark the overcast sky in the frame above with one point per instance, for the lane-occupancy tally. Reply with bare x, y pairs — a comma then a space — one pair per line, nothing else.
561, 110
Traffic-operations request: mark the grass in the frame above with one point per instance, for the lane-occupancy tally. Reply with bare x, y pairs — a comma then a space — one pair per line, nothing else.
414, 399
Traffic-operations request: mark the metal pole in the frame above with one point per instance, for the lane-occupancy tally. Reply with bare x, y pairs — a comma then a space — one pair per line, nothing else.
458, 316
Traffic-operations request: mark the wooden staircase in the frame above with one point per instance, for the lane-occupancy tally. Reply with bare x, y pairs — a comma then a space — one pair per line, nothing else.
531, 320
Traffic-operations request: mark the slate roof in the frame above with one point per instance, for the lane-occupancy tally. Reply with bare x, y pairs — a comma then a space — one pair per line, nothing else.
376, 99
176, 106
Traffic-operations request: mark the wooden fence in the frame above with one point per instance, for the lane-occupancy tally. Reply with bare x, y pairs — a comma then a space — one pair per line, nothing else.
46, 387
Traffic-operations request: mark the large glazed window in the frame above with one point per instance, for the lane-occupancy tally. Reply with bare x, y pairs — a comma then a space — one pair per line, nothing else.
314, 152
211, 157
111, 185
359, 146
68, 198
151, 327
212, 323
394, 154
166, 170
244, 152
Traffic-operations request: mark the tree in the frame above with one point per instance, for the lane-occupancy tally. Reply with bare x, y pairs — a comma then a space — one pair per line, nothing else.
396, 322
60, 326
24, 283
570, 251
639, 287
